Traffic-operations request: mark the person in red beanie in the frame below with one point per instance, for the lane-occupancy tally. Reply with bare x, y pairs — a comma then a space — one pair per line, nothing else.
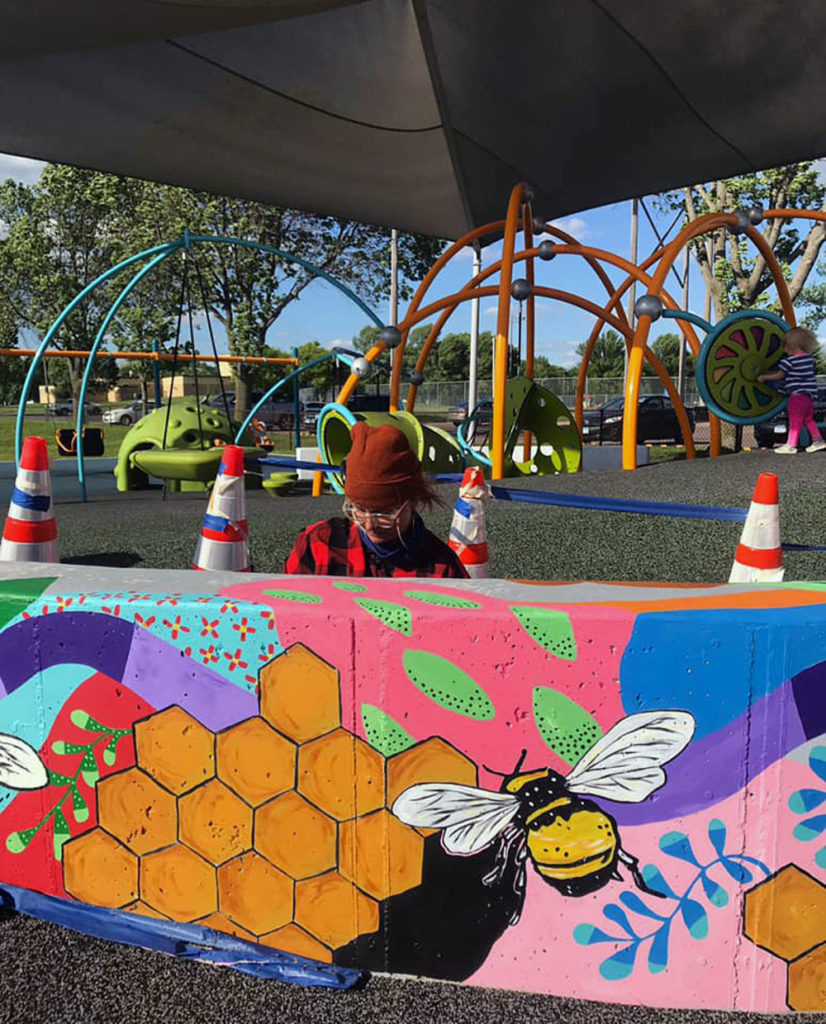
382, 533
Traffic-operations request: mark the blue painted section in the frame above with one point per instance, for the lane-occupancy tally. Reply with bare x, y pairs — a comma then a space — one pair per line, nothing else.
190, 941
57, 684
717, 663
32, 502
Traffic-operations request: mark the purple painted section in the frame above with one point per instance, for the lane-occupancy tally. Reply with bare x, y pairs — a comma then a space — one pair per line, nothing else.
163, 675
86, 638
717, 765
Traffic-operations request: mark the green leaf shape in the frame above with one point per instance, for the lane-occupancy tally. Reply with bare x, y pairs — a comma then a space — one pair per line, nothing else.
80, 809
347, 585
383, 732
447, 685
62, 747
83, 720
16, 842
549, 628
89, 768
299, 596
109, 751
17, 595
442, 600
61, 833
566, 727
394, 616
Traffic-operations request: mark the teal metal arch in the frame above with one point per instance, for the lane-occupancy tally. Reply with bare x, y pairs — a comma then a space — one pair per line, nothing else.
156, 255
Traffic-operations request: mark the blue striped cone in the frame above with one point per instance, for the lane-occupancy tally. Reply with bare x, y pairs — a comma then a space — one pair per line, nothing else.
467, 531
224, 540
30, 532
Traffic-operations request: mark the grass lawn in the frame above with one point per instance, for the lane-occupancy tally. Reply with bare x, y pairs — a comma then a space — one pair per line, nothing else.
47, 426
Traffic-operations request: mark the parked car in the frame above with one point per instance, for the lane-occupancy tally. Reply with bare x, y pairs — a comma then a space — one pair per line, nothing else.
67, 408
274, 415
126, 415
309, 418
656, 421
369, 403
776, 430
457, 413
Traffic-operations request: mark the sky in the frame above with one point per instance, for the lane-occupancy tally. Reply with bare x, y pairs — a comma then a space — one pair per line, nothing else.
323, 314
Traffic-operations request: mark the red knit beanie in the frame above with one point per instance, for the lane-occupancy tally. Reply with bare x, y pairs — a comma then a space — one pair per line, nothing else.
381, 472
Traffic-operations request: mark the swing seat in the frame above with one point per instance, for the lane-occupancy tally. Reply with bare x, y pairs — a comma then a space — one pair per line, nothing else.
66, 440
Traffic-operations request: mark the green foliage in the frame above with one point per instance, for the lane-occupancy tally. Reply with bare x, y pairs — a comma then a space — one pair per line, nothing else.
667, 350
607, 356
737, 276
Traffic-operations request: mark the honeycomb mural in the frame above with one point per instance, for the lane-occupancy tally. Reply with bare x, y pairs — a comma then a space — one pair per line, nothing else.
275, 830
786, 915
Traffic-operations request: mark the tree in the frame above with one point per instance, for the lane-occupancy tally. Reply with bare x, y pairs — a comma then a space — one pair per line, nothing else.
543, 368
734, 275
667, 349
607, 356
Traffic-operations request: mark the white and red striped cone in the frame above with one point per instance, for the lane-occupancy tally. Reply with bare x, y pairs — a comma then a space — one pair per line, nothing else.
224, 540
30, 533
759, 557
467, 531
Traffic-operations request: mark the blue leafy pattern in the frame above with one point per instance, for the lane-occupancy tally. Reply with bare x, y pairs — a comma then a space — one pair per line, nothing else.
804, 801
655, 919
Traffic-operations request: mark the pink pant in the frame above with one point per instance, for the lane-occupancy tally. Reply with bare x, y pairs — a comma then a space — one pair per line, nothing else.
801, 414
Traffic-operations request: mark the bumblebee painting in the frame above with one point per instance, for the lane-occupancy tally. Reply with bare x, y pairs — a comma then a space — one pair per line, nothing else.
572, 843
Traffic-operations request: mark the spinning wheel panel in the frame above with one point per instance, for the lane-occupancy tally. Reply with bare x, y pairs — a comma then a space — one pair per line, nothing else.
734, 354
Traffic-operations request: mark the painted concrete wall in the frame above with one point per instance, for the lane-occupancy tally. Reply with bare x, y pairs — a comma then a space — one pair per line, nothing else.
335, 769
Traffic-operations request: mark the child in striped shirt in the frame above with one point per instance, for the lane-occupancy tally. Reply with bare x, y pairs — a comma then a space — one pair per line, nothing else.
797, 371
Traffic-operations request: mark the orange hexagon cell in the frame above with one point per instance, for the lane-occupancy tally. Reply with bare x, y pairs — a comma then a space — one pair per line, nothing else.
255, 894
807, 982
380, 854
786, 914
430, 761
135, 809
215, 822
97, 869
333, 910
179, 883
255, 761
342, 775
292, 939
295, 836
175, 749
223, 924
300, 694
139, 907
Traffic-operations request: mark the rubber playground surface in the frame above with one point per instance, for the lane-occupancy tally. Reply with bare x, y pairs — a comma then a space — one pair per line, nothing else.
59, 976
527, 541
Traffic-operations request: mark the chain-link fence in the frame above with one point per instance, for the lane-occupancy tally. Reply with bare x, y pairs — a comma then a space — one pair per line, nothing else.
442, 394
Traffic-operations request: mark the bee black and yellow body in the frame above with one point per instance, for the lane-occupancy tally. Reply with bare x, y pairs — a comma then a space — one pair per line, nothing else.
573, 844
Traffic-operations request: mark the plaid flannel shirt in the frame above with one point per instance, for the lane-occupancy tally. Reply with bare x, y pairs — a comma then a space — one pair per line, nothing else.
334, 547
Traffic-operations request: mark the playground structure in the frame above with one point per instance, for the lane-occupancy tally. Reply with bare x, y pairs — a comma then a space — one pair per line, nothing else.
730, 356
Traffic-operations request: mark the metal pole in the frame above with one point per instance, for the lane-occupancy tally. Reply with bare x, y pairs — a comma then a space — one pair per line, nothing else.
393, 316
681, 364
632, 291
472, 380
296, 406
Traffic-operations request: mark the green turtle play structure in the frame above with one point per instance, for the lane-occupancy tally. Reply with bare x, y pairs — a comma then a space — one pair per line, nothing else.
184, 463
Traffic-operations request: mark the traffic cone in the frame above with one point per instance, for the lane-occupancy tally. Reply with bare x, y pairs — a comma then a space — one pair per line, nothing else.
759, 557
224, 540
467, 531
30, 533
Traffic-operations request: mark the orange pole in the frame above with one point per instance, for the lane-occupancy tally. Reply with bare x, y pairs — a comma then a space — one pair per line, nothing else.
632, 384
500, 356
427, 280
530, 310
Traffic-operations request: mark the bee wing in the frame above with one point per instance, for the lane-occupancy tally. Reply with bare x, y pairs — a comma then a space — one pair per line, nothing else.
470, 818
20, 765
626, 764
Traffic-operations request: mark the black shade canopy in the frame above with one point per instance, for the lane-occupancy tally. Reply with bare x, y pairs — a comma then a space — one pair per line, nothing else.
420, 114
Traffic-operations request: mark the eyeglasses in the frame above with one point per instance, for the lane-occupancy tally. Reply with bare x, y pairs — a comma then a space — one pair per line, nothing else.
383, 520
